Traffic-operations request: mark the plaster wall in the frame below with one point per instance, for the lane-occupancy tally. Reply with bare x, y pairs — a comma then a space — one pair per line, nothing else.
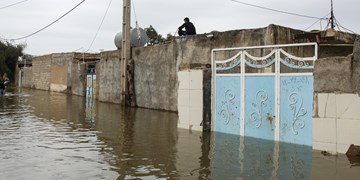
78, 80
336, 117
155, 77
193, 50
156, 67
60, 71
26, 77
108, 77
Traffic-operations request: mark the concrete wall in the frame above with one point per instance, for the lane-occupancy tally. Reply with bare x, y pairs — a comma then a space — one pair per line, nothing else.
155, 77
355, 80
61, 63
156, 67
341, 46
190, 51
27, 77
108, 77
60, 72
78, 80
49, 72
41, 72
336, 119
333, 74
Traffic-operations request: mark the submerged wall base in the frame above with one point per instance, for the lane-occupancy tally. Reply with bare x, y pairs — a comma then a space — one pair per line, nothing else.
336, 123
190, 99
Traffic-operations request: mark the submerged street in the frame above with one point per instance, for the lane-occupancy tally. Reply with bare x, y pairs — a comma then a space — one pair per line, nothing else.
47, 135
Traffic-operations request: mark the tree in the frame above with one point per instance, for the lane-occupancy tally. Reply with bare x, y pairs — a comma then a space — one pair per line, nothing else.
169, 37
154, 37
9, 54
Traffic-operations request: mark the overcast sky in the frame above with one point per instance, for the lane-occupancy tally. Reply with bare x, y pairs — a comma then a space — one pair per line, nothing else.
76, 31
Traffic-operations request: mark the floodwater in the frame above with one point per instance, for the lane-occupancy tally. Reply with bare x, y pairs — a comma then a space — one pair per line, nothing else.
46, 135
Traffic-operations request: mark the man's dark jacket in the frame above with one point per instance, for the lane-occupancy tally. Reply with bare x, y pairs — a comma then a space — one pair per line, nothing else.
189, 28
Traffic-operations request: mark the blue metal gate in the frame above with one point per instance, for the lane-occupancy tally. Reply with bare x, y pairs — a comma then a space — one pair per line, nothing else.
265, 91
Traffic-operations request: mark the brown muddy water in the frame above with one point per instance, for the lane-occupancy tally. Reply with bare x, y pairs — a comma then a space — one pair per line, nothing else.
45, 135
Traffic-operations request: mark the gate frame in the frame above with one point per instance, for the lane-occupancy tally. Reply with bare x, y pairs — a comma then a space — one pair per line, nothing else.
242, 75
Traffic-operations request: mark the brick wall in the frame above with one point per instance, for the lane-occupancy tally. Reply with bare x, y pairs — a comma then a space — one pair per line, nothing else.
41, 72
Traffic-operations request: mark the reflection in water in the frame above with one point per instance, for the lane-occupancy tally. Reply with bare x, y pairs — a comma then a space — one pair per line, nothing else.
46, 135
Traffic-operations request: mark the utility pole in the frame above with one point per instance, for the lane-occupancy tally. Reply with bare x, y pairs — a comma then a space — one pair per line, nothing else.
332, 16
125, 48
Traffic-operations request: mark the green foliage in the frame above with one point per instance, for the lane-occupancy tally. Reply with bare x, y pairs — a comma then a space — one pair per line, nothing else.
154, 37
169, 37
9, 54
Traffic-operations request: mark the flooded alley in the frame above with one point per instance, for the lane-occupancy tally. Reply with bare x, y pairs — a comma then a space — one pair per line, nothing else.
47, 135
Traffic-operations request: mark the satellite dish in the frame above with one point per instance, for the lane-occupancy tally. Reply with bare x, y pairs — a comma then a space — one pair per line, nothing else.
138, 38
118, 40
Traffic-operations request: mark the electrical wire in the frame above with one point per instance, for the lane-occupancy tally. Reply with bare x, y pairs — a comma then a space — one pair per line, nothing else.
317, 22
321, 26
136, 23
15, 39
313, 24
339, 25
270, 9
102, 21
300, 15
133, 5
13, 4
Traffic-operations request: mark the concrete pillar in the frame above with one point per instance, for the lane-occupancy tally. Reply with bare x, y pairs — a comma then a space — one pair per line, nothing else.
356, 65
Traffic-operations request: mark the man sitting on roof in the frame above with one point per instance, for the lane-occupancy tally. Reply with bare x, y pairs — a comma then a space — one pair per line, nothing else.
189, 28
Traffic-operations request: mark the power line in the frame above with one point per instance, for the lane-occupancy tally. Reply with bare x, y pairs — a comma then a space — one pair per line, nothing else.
92, 42
136, 22
334, 22
13, 4
279, 11
339, 25
133, 5
317, 22
15, 39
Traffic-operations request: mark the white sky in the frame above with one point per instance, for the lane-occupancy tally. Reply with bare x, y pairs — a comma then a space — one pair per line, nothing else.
77, 30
